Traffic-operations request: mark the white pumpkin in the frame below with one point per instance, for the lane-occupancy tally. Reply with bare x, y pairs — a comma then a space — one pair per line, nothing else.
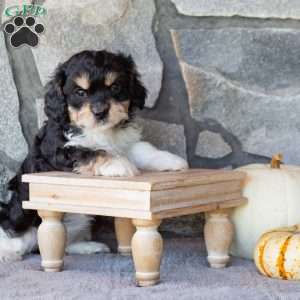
273, 193
277, 253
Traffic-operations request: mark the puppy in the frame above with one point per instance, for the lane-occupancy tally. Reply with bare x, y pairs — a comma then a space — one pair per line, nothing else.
90, 104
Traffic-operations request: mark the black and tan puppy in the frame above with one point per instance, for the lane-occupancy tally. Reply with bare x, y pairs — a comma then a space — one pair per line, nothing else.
90, 104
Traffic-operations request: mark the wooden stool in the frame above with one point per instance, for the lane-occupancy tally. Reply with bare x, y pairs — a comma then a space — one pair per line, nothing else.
139, 202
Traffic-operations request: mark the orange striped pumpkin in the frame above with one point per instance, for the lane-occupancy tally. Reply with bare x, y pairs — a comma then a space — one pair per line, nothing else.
277, 253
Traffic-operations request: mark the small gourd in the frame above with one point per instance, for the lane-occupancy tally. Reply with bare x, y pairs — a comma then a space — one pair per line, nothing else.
277, 253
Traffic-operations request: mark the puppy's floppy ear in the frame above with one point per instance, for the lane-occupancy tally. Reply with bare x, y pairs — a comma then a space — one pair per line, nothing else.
55, 103
138, 92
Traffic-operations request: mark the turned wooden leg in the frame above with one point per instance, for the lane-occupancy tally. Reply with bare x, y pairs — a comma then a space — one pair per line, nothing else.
124, 232
218, 235
147, 246
51, 240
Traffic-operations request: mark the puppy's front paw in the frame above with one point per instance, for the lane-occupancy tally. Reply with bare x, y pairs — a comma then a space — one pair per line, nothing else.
87, 248
9, 256
86, 170
166, 161
117, 166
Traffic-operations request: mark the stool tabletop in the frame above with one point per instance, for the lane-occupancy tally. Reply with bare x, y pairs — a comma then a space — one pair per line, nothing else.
147, 181
145, 196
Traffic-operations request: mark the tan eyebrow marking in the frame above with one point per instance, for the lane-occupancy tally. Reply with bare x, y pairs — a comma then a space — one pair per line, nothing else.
83, 81
110, 78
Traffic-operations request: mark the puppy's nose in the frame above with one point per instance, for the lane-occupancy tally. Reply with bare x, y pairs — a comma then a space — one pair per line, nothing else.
100, 110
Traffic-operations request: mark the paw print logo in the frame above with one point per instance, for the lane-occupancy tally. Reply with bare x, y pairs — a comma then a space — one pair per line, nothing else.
24, 31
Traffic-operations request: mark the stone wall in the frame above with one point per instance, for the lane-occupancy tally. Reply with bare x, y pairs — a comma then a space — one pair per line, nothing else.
223, 76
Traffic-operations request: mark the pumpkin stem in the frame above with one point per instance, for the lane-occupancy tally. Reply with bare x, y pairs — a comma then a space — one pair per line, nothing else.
297, 228
276, 161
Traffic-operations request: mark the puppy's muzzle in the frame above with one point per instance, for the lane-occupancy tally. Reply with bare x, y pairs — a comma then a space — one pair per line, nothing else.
100, 110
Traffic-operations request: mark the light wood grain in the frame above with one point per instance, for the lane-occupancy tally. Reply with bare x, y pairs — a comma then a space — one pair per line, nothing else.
197, 202
69, 192
84, 195
124, 229
131, 213
147, 247
137, 200
218, 235
88, 210
51, 240
145, 181
71, 179
170, 213
172, 198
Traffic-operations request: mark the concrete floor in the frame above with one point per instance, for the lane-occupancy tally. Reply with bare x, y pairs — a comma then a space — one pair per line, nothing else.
184, 275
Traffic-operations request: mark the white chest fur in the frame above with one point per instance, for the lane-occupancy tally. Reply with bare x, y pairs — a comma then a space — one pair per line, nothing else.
115, 141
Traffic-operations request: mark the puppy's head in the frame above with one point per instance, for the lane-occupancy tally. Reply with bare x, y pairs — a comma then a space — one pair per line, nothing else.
95, 89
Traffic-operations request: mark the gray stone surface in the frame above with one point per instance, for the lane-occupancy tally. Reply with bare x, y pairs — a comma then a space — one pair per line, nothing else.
5, 175
95, 25
101, 12
247, 80
29, 88
12, 142
212, 145
41, 116
165, 136
13, 147
2, 6
282, 9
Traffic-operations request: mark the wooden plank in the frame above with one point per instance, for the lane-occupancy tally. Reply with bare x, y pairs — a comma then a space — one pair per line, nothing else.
198, 209
145, 181
146, 196
72, 179
233, 203
195, 193
201, 201
193, 178
88, 210
130, 213
113, 198
133, 199
184, 211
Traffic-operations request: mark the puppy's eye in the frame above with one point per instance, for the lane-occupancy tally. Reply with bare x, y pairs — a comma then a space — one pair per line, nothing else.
115, 89
81, 92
